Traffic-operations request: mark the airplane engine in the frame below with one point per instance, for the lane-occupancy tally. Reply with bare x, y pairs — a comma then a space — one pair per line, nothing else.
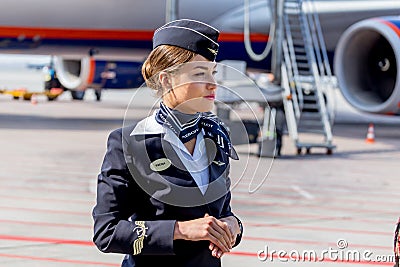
367, 65
80, 74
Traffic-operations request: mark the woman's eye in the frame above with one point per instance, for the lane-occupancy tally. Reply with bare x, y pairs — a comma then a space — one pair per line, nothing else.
200, 74
214, 73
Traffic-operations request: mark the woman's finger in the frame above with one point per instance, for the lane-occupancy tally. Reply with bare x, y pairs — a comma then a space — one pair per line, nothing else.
211, 246
216, 238
223, 229
217, 253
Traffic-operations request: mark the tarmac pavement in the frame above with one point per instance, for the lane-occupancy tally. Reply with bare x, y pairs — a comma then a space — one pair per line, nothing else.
326, 206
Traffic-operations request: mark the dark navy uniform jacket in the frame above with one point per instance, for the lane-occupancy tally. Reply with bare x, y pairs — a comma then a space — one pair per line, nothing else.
136, 207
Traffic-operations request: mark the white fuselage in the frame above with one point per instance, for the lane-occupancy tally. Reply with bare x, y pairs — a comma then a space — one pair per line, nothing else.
226, 15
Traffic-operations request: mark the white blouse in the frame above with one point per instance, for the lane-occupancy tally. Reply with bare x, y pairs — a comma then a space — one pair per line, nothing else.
196, 164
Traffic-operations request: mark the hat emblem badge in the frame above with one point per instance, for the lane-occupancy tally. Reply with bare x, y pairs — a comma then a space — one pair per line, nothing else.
213, 51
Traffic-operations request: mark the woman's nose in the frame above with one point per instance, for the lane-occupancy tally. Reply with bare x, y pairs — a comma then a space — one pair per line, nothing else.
211, 83
211, 86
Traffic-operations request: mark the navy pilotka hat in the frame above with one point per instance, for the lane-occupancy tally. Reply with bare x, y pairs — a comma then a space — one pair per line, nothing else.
191, 35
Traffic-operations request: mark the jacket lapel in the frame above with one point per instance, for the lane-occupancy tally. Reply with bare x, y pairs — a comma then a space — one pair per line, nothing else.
218, 167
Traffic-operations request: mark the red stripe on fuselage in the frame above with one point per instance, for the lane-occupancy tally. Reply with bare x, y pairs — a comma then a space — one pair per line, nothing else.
239, 37
104, 34
75, 34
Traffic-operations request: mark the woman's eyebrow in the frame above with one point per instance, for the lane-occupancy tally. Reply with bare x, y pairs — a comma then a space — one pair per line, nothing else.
201, 67
205, 68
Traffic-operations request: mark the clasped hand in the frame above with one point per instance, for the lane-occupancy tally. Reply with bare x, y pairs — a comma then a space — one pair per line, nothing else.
220, 232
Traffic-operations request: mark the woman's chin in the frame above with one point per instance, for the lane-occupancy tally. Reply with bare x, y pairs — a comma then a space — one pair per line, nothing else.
198, 105
206, 107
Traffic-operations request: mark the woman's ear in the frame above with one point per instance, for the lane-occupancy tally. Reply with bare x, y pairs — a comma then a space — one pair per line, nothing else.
165, 80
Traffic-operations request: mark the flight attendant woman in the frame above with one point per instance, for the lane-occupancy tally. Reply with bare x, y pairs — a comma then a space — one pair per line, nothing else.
163, 193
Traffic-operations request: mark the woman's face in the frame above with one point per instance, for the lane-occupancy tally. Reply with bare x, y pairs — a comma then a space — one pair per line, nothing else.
192, 86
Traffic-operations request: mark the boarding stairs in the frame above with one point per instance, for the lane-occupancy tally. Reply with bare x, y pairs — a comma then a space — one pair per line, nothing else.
306, 77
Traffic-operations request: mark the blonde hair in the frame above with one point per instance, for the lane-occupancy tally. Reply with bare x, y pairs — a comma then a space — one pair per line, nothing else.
160, 59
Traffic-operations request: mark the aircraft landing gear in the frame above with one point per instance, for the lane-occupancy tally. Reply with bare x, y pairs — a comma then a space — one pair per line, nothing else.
97, 93
77, 95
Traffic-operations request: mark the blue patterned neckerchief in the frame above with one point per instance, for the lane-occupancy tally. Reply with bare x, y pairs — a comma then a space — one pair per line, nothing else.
188, 126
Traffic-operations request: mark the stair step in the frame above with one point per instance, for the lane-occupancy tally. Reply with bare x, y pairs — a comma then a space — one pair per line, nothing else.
297, 36
310, 115
310, 122
310, 98
305, 72
300, 49
310, 106
305, 130
303, 66
296, 26
298, 42
290, 7
301, 57
305, 79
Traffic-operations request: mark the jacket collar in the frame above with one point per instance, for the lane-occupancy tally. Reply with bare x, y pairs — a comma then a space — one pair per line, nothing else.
148, 126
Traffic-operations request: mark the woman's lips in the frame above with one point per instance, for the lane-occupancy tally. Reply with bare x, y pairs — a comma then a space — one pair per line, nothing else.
211, 97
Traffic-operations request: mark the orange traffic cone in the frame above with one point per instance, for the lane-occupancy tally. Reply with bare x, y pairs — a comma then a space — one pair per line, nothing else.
370, 134
34, 99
